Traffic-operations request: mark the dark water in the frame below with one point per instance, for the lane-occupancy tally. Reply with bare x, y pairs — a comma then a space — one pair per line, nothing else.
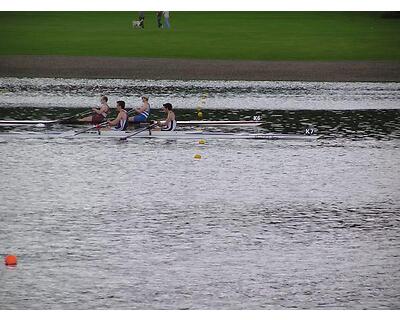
332, 124
252, 225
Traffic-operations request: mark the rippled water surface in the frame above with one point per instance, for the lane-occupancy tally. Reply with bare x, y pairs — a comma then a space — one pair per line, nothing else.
250, 95
252, 225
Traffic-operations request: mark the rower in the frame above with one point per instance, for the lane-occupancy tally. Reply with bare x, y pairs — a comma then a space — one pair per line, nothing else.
143, 112
169, 124
121, 121
99, 114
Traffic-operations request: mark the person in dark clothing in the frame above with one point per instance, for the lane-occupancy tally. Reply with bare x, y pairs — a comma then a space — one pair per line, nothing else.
159, 17
141, 19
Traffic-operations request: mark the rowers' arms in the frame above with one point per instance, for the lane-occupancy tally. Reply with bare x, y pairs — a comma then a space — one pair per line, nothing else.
141, 109
100, 110
163, 123
115, 121
166, 122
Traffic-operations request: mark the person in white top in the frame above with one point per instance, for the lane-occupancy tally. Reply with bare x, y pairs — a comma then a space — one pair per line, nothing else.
169, 124
166, 20
121, 121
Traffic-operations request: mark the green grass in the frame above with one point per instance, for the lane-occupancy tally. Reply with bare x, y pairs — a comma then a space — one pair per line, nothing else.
205, 35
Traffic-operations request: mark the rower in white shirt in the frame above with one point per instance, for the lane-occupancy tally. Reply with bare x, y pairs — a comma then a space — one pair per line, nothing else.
169, 124
120, 123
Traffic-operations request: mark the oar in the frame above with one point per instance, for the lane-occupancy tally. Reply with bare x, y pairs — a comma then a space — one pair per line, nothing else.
74, 116
97, 126
139, 131
85, 113
38, 123
100, 125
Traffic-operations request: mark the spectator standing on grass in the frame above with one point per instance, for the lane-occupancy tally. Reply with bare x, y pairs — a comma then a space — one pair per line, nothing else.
159, 17
141, 19
166, 20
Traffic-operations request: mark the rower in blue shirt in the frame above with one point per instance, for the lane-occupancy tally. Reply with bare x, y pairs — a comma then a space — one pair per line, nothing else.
143, 112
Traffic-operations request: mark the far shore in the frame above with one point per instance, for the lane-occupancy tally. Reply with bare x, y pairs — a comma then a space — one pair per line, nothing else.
191, 69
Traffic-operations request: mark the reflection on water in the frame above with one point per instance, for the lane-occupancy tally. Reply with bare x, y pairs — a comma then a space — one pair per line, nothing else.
261, 95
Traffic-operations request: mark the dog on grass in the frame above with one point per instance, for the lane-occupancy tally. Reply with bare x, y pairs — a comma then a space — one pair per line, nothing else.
137, 24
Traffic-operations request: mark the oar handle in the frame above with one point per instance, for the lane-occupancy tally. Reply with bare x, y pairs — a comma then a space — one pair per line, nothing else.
97, 126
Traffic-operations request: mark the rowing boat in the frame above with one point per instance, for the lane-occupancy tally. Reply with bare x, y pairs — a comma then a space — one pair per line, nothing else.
212, 123
173, 135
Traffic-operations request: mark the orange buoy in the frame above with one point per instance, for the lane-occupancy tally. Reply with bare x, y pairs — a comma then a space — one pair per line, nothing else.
10, 260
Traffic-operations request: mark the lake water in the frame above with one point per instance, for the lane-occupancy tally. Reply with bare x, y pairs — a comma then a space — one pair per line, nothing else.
252, 225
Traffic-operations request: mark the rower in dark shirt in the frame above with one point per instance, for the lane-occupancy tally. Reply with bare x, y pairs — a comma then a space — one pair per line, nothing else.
99, 114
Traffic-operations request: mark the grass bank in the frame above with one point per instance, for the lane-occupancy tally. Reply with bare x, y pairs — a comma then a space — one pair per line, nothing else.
300, 36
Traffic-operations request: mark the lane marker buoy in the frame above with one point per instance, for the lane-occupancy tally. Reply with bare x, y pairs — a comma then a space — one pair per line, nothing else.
10, 260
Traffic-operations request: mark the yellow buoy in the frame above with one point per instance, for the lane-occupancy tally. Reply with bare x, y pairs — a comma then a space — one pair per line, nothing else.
202, 141
200, 114
197, 156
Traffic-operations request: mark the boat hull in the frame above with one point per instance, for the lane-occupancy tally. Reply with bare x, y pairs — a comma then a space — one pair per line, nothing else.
173, 135
200, 123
